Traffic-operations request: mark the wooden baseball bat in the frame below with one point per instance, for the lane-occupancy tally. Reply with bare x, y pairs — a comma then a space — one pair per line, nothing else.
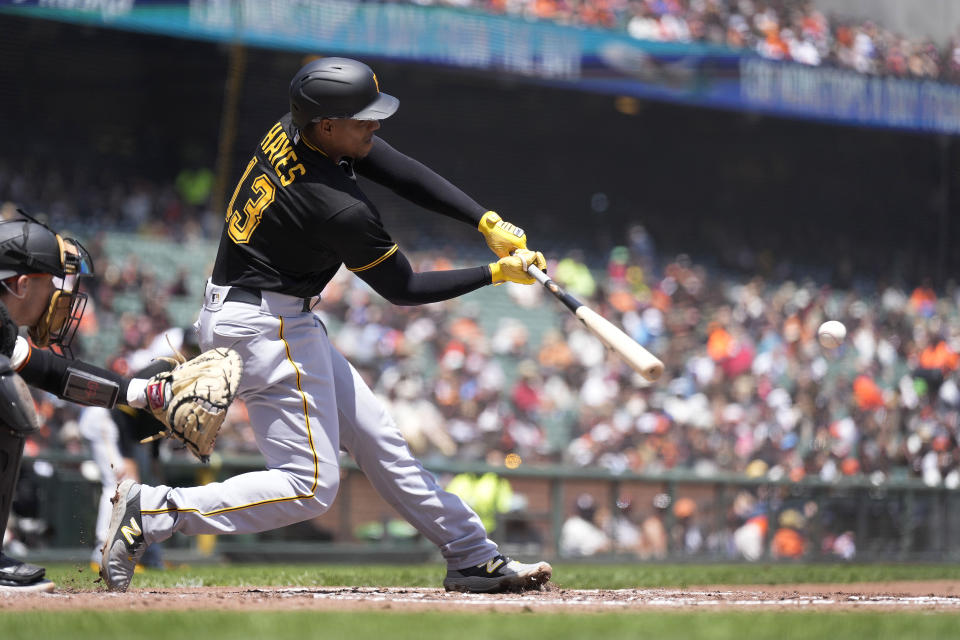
642, 361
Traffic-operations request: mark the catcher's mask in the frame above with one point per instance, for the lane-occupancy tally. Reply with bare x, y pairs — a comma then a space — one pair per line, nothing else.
59, 323
31, 248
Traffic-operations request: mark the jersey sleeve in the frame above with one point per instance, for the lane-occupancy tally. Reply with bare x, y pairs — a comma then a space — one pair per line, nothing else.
358, 237
396, 281
418, 183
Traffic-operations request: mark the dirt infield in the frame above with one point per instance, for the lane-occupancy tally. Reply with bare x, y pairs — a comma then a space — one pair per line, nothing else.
917, 596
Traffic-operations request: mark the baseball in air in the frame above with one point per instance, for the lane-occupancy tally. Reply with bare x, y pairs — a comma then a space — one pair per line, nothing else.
831, 334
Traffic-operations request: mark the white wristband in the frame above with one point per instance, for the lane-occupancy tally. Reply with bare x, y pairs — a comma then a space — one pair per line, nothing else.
137, 393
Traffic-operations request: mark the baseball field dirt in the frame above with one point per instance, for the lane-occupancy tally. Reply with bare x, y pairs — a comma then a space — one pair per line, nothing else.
880, 596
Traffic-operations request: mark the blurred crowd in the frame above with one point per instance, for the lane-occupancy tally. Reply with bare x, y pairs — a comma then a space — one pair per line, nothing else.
512, 379
793, 30
751, 527
83, 198
507, 376
747, 388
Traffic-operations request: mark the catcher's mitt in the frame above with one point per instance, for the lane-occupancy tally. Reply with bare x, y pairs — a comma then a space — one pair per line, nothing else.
192, 399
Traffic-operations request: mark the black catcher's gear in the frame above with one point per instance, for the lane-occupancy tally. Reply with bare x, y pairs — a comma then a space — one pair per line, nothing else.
17, 419
8, 332
84, 388
11, 452
17, 413
14, 573
28, 247
338, 88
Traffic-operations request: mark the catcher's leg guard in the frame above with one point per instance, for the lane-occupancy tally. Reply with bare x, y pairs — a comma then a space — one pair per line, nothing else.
17, 419
11, 452
13, 573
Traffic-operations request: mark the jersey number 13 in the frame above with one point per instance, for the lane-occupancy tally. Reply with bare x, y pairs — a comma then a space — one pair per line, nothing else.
242, 222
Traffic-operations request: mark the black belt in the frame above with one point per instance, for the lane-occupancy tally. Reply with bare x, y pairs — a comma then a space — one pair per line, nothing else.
252, 296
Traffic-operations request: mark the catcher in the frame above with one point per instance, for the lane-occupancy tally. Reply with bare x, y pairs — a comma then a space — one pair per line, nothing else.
40, 272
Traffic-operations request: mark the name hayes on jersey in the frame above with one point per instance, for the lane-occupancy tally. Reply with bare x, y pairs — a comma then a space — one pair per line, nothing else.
279, 151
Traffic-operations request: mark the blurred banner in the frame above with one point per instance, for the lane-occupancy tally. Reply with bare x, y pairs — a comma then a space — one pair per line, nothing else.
572, 57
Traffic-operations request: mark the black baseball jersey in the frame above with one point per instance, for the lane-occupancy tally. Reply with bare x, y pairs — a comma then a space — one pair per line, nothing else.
8, 332
133, 425
294, 218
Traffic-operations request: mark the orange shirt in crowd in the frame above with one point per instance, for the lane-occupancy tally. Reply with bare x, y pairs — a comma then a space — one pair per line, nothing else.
787, 543
719, 344
939, 356
867, 393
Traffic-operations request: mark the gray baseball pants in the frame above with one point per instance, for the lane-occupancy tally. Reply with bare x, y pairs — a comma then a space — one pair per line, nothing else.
305, 401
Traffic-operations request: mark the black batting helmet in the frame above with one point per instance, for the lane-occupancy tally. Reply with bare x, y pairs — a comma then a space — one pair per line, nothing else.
338, 88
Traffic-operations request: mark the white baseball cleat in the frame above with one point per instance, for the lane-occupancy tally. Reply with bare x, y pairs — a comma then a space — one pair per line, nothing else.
500, 573
125, 543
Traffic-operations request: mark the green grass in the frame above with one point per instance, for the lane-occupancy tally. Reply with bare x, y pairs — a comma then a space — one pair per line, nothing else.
482, 623
569, 576
395, 625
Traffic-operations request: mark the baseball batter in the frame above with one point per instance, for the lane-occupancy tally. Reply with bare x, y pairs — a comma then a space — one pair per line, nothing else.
296, 216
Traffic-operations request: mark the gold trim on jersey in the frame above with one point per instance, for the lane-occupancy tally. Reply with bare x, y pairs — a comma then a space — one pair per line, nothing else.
389, 253
307, 142
316, 460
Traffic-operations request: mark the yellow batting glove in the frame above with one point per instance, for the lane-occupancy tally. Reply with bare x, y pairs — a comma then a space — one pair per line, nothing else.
502, 237
514, 268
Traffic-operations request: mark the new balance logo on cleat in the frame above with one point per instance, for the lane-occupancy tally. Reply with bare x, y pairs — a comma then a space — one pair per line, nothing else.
493, 564
131, 531
499, 573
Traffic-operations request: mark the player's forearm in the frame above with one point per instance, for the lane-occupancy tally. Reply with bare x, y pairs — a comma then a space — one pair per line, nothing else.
396, 281
78, 381
418, 183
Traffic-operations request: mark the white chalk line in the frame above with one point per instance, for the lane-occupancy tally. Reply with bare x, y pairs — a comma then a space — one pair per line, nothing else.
621, 598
